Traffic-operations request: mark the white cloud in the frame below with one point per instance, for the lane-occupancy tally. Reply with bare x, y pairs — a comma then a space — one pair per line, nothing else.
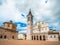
9, 12
12, 9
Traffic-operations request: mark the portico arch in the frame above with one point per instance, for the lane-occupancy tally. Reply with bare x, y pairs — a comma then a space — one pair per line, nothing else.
34, 38
37, 37
40, 38
44, 37
0, 36
5, 36
12, 37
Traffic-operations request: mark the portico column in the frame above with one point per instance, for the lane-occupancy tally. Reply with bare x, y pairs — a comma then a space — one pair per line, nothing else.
42, 37
35, 37
32, 37
38, 37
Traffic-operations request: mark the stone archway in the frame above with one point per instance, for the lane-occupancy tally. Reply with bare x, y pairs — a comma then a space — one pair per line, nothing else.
0, 36
37, 37
5, 37
40, 38
32, 37
44, 37
12, 37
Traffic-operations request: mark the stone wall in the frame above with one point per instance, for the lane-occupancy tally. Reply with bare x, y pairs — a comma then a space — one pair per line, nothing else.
52, 37
6, 34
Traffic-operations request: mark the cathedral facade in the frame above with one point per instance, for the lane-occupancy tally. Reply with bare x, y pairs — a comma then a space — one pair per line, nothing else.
40, 30
8, 31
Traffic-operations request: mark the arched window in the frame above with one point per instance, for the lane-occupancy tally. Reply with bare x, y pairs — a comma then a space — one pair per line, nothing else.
8, 25
28, 18
0, 36
5, 37
12, 37
54, 36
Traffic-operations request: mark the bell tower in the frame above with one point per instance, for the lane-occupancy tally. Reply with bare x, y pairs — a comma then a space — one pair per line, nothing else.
29, 25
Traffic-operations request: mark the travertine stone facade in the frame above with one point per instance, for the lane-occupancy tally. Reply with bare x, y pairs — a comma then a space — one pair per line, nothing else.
30, 25
40, 31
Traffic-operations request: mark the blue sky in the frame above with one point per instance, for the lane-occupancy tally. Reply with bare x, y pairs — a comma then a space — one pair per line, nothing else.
42, 10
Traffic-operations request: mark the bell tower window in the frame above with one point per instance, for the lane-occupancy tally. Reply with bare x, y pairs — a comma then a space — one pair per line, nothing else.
28, 18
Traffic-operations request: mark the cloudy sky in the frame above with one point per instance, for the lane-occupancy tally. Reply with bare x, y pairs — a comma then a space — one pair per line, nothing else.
42, 10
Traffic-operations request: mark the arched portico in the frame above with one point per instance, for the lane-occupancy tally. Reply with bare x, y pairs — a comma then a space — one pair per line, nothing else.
38, 37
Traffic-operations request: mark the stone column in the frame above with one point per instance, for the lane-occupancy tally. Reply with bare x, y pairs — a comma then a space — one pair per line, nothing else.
38, 37
33, 37
42, 37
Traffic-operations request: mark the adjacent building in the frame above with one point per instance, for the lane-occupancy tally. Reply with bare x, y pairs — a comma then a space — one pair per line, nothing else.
8, 31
